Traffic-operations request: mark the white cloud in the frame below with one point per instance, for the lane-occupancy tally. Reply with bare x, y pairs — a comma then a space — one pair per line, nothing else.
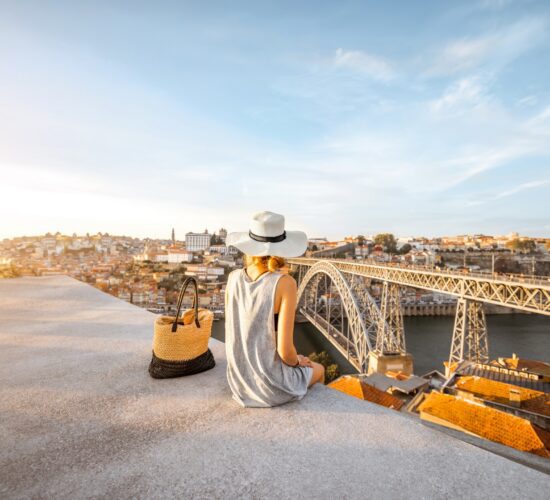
528, 100
521, 187
542, 118
510, 192
466, 92
341, 81
364, 63
494, 49
466, 53
423, 153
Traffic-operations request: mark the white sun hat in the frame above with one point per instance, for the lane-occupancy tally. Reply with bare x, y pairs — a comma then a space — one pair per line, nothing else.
267, 236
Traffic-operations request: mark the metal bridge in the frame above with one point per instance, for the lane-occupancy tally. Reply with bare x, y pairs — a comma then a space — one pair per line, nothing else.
334, 295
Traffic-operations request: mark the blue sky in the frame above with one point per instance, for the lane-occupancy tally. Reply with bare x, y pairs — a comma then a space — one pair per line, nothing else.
420, 118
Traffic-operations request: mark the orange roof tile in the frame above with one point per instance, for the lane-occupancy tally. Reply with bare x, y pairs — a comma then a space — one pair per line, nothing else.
528, 365
499, 392
450, 366
355, 387
487, 422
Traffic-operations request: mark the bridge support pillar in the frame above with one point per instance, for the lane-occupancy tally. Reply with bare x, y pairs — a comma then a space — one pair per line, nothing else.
390, 337
390, 352
470, 340
381, 363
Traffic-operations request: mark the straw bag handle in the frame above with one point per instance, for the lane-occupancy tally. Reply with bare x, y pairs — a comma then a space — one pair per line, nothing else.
180, 302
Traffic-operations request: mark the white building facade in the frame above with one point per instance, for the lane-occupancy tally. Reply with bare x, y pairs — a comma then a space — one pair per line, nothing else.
179, 256
197, 242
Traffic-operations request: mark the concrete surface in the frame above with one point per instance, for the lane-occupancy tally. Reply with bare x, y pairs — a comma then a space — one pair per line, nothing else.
81, 418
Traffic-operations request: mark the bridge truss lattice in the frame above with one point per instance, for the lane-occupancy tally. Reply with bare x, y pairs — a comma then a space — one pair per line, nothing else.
356, 324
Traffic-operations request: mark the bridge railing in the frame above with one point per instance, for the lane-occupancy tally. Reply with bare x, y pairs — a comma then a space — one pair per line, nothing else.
519, 292
503, 277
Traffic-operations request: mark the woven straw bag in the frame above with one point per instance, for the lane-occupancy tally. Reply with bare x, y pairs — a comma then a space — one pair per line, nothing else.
180, 344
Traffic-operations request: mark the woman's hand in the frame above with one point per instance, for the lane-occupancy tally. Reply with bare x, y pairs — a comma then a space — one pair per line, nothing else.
304, 361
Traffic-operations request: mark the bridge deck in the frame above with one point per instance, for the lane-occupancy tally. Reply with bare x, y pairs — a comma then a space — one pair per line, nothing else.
82, 418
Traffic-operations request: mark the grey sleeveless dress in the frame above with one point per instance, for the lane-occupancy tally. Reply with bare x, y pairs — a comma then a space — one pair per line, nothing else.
256, 373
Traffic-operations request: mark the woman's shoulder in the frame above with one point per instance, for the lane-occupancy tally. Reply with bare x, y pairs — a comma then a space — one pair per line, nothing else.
231, 276
285, 280
233, 273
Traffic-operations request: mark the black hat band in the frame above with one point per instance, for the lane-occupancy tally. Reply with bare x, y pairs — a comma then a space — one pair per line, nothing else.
270, 239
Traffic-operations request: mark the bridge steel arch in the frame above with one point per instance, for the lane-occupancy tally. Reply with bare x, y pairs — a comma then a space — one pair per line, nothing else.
531, 294
363, 321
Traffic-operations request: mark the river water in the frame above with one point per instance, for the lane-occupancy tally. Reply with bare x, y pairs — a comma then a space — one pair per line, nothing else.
428, 339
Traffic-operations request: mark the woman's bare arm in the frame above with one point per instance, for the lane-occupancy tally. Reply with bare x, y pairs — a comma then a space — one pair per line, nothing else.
285, 328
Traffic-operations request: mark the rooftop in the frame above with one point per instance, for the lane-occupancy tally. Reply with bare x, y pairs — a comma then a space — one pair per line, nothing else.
354, 387
481, 420
499, 392
504, 375
81, 417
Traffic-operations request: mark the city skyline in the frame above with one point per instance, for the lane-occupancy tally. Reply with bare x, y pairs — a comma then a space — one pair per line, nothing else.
348, 119
181, 239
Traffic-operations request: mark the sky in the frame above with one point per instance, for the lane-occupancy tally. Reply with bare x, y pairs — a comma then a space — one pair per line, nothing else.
348, 117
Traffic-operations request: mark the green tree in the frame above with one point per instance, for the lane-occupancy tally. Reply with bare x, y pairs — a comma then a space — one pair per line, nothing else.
387, 241
517, 245
528, 246
169, 284
513, 244
332, 371
405, 249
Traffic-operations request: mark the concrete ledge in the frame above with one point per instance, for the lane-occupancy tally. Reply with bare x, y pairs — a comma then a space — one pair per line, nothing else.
80, 417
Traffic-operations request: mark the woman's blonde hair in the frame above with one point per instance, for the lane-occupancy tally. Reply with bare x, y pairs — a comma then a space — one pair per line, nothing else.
268, 262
